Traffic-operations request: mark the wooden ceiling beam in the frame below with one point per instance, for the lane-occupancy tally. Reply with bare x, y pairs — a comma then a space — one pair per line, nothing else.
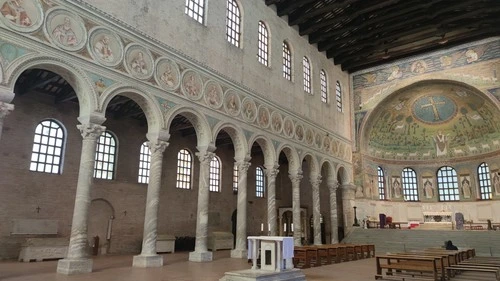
299, 17
285, 8
308, 28
358, 64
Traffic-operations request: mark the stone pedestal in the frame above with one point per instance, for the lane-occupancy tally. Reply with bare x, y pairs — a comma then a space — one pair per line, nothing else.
239, 254
200, 256
74, 266
262, 275
147, 261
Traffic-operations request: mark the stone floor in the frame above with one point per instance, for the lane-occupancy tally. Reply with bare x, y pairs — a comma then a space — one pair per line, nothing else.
176, 268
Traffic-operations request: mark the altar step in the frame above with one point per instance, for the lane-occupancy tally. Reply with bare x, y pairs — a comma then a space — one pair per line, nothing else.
486, 243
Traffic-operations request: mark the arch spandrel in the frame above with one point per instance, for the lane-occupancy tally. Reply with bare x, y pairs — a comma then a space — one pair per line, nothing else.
266, 144
237, 137
198, 120
76, 77
147, 102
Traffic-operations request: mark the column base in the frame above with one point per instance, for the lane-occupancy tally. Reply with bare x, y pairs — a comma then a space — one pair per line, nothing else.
71, 266
200, 256
147, 261
239, 254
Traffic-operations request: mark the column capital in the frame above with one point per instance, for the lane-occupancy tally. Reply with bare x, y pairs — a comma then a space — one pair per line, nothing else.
315, 180
157, 146
205, 157
295, 176
272, 171
5, 109
332, 184
243, 165
90, 130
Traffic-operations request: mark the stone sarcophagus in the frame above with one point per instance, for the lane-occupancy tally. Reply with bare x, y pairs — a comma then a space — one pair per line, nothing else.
165, 243
218, 240
43, 249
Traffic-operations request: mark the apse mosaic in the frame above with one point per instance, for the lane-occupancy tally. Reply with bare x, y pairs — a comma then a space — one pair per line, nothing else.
438, 120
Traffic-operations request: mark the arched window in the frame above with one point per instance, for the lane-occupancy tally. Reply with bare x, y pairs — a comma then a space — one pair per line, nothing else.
195, 9
105, 157
144, 163
48, 147
447, 184
338, 93
184, 169
214, 174
381, 183
263, 48
233, 23
306, 66
409, 182
287, 62
323, 86
483, 173
259, 182
235, 178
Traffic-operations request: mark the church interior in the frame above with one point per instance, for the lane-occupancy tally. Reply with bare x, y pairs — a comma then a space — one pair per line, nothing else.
134, 128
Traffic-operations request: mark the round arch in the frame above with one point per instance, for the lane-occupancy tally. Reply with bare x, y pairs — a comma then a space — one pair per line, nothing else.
292, 156
313, 164
237, 136
267, 147
199, 122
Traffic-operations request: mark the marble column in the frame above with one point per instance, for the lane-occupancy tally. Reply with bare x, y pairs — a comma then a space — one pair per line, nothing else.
5, 109
148, 256
315, 182
332, 187
348, 195
271, 174
201, 252
77, 260
240, 250
297, 225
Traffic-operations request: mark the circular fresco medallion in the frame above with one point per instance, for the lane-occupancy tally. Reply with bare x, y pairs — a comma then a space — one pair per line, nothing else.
167, 74
288, 127
105, 46
318, 140
192, 85
213, 94
309, 136
138, 61
232, 103
299, 132
22, 15
264, 117
326, 144
65, 29
335, 147
249, 110
276, 122
434, 109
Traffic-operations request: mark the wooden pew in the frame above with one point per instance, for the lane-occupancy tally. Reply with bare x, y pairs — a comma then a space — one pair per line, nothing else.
453, 269
305, 255
410, 265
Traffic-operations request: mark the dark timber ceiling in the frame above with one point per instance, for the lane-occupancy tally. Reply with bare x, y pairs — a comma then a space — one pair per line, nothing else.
359, 34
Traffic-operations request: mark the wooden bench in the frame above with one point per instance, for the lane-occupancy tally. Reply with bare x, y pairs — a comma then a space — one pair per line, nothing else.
305, 256
410, 265
453, 269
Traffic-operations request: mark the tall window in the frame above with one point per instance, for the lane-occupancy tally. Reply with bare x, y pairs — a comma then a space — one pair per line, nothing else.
483, 173
259, 182
263, 52
233, 23
338, 93
48, 147
324, 86
195, 9
287, 62
184, 169
105, 157
447, 184
235, 178
214, 174
409, 181
307, 75
144, 163
381, 183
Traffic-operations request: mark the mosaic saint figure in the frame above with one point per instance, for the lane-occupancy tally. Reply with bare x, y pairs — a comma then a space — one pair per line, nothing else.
14, 11
139, 64
441, 142
64, 33
168, 77
466, 188
428, 189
